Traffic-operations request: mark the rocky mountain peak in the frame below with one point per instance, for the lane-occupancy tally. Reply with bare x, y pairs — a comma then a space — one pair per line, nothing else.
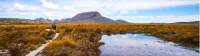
87, 15
91, 17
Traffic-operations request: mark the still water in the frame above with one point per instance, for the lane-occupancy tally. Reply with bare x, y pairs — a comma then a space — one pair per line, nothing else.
140, 45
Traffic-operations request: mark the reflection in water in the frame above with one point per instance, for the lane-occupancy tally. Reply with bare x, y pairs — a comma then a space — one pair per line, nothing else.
140, 45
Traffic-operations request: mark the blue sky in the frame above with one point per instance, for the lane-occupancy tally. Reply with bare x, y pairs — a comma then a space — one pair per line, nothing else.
136, 11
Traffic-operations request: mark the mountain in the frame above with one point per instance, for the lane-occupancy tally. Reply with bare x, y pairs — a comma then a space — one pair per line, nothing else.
90, 17
44, 19
66, 19
121, 21
192, 22
21, 21
39, 19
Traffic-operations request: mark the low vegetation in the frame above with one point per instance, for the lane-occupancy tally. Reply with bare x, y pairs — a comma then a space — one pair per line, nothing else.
83, 39
20, 39
75, 42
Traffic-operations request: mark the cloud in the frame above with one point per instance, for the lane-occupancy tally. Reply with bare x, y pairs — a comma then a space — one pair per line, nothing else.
150, 4
124, 12
49, 5
65, 9
158, 19
121, 5
103, 6
109, 7
18, 7
135, 12
48, 14
22, 13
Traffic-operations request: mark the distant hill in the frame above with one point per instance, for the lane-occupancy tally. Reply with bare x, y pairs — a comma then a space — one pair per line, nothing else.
121, 21
66, 19
192, 22
43, 19
21, 21
91, 17
85, 17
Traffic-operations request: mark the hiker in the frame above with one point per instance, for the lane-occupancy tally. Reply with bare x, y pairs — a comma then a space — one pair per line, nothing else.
53, 26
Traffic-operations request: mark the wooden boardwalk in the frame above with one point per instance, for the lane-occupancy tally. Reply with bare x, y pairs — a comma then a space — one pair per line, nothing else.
39, 49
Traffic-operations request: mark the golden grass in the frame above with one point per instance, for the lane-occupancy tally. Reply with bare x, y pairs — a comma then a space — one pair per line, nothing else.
87, 36
180, 33
84, 42
82, 39
59, 47
20, 39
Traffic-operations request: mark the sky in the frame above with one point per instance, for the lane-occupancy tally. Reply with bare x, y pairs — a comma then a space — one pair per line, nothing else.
135, 11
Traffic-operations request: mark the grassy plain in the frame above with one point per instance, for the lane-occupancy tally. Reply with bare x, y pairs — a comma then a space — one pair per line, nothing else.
20, 39
82, 39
